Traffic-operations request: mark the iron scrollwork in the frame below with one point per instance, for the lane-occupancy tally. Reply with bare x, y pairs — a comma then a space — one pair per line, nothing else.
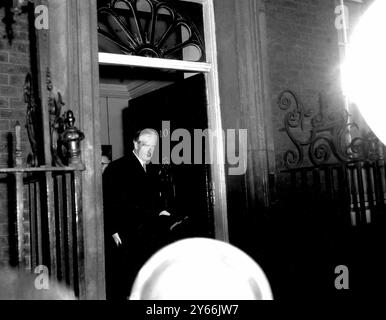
32, 119
121, 25
8, 19
325, 135
368, 147
11, 9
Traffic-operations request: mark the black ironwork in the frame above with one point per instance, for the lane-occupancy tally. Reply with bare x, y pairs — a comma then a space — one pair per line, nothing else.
325, 136
135, 32
21, 6
8, 19
333, 166
56, 124
12, 8
46, 201
32, 119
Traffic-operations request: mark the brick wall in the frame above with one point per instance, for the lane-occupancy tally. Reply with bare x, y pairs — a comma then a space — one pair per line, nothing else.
14, 65
303, 56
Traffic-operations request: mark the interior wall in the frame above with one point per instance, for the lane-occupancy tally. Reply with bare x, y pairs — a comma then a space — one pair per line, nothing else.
117, 87
112, 123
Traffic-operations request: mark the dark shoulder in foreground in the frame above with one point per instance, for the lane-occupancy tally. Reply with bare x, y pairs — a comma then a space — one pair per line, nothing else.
120, 164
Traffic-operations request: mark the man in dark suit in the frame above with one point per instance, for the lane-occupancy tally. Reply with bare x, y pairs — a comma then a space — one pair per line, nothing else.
136, 224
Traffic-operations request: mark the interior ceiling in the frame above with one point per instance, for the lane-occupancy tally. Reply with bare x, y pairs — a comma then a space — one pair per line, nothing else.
136, 81
138, 88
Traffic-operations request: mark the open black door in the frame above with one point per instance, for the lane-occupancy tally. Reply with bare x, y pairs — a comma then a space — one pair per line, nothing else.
186, 186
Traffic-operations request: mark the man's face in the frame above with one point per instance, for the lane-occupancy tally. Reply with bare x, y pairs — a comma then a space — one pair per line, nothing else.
105, 162
144, 147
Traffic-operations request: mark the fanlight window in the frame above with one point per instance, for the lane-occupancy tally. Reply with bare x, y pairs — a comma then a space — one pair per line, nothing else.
151, 28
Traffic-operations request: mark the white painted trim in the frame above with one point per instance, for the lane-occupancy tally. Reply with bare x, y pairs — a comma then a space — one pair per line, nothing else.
214, 109
157, 63
215, 123
203, 2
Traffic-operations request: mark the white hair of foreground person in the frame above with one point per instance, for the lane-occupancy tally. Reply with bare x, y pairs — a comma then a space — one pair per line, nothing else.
201, 269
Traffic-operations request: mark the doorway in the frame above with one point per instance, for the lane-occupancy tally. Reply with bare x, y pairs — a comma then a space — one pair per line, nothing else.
129, 38
177, 111
163, 57
170, 102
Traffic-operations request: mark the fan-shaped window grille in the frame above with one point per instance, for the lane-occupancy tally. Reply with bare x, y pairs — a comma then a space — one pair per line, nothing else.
151, 28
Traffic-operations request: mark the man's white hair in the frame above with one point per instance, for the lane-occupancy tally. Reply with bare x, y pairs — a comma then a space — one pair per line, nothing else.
143, 132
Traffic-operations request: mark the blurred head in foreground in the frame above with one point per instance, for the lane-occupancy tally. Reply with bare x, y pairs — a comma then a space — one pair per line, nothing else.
20, 285
201, 269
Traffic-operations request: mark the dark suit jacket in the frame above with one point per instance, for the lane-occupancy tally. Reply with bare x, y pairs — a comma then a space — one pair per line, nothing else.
132, 204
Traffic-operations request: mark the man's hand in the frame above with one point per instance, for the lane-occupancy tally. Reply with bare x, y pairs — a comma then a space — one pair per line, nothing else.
164, 213
117, 239
175, 224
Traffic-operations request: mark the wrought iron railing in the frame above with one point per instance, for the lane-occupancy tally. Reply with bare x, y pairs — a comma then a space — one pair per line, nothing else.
46, 200
331, 163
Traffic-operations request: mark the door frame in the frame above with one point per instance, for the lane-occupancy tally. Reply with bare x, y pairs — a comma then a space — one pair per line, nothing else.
70, 49
210, 70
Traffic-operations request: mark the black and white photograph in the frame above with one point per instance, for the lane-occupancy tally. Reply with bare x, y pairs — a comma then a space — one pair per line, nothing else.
192, 150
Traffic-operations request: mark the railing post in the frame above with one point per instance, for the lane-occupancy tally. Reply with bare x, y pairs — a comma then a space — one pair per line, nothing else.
79, 238
19, 199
